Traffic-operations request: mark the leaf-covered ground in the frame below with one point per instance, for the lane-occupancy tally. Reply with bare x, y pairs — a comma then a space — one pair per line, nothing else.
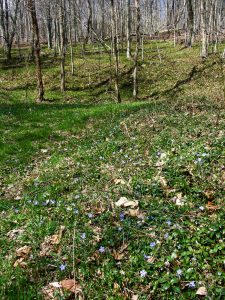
127, 199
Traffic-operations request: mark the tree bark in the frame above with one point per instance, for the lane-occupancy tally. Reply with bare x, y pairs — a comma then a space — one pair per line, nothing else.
115, 48
190, 24
62, 45
128, 29
138, 40
204, 51
40, 86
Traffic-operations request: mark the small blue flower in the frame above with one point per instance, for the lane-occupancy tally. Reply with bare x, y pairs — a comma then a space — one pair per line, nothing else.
90, 215
29, 201
35, 202
121, 216
16, 210
62, 267
168, 222
143, 273
158, 153
191, 284
120, 228
166, 236
152, 244
76, 211
198, 161
101, 249
83, 236
179, 272
146, 257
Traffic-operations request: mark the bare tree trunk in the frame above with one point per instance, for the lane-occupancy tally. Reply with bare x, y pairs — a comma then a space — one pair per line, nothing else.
71, 40
32, 11
115, 48
128, 29
8, 23
190, 24
138, 39
204, 51
49, 25
62, 45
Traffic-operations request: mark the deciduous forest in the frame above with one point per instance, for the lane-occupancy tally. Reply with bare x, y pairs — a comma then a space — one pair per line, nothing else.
112, 149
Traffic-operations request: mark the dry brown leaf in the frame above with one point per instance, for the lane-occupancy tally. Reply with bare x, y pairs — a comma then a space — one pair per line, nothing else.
124, 202
211, 206
23, 251
119, 181
150, 259
50, 242
49, 292
15, 233
56, 288
119, 254
133, 212
163, 182
116, 286
71, 285
202, 291
20, 263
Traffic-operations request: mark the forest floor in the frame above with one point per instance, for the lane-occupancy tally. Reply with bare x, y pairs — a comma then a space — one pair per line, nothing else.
127, 199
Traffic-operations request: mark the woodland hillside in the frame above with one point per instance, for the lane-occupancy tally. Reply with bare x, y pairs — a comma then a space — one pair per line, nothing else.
112, 149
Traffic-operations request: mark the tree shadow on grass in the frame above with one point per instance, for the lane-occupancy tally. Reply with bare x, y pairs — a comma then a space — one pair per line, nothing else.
171, 92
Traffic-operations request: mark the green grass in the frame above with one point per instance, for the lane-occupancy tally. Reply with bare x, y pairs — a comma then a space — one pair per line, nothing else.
62, 161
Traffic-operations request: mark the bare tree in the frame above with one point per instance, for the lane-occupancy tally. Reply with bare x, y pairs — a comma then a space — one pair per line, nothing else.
190, 24
62, 44
128, 29
136, 55
8, 21
204, 51
115, 50
32, 11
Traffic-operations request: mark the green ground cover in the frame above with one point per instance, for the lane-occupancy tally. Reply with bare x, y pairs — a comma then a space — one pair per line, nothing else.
65, 164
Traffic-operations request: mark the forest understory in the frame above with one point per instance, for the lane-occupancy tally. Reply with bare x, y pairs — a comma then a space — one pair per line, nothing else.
101, 200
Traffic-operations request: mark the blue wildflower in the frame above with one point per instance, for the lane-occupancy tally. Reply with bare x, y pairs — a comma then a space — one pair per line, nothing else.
121, 216
152, 244
102, 249
143, 273
191, 284
83, 236
179, 272
62, 267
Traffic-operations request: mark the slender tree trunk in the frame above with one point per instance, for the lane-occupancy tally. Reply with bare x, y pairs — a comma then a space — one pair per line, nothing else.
204, 51
115, 48
62, 45
71, 41
138, 39
32, 10
190, 24
49, 25
128, 29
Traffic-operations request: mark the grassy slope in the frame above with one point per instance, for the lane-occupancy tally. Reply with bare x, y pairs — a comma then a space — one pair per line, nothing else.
86, 156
